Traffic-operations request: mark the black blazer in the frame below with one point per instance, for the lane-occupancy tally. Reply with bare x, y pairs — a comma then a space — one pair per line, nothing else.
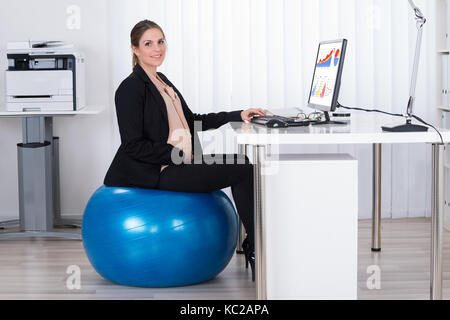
144, 130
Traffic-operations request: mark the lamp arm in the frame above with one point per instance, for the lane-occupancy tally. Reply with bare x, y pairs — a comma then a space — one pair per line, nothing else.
412, 91
421, 20
419, 15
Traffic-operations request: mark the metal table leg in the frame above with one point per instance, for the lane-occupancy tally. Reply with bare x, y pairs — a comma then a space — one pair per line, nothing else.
376, 208
37, 181
9, 223
437, 211
58, 220
259, 154
46, 234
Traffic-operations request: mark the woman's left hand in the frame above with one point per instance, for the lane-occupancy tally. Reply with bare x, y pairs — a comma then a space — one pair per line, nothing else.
248, 114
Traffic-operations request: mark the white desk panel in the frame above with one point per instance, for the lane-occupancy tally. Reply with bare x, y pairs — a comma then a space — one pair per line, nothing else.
364, 128
90, 110
312, 222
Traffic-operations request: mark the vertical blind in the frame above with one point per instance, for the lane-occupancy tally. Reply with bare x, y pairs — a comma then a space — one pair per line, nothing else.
232, 54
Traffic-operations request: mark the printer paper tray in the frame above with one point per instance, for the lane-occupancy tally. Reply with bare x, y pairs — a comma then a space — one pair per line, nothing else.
39, 83
55, 103
39, 106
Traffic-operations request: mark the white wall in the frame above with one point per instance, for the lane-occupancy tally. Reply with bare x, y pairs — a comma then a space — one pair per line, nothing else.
86, 147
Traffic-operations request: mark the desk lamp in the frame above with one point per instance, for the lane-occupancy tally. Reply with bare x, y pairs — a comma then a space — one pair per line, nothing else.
408, 126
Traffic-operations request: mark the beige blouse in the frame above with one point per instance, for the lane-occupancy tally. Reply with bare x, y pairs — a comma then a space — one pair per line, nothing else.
179, 133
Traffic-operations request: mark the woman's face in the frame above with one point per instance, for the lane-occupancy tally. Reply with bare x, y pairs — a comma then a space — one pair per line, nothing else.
152, 48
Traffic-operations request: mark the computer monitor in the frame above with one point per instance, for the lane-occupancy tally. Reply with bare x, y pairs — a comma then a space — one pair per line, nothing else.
326, 80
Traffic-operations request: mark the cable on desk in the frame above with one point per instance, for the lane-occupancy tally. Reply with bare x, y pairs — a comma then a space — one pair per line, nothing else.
371, 110
395, 115
427, 124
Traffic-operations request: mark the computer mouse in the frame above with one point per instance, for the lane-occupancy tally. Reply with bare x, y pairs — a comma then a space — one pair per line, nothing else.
276, 123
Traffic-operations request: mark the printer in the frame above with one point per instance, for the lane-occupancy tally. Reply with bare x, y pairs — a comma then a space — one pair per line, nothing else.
44, 76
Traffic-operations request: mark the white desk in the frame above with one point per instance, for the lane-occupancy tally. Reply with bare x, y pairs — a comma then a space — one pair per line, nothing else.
365, 128
39, 198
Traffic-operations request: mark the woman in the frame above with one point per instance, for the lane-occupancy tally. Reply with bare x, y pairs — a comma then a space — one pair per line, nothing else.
157, 130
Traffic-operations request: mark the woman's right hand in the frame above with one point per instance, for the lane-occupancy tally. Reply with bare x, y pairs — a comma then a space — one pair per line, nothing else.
248, 114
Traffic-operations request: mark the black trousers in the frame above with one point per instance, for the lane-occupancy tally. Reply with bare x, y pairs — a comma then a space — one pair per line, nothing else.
215, 172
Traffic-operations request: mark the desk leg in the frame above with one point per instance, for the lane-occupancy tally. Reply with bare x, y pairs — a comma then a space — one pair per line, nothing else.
437, 210
9, 223
58, 220
242, 149
259, 154
376, 208
35, 171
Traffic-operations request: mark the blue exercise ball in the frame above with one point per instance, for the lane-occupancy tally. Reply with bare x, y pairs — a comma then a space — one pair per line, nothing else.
155, 238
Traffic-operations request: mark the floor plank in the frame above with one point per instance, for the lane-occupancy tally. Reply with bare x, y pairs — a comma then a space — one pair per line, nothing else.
36, 269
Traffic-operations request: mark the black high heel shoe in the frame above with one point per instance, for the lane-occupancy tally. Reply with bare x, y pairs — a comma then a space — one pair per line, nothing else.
249, 257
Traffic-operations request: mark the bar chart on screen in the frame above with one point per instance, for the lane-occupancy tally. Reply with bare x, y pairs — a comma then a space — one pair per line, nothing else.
337, 56
322, 87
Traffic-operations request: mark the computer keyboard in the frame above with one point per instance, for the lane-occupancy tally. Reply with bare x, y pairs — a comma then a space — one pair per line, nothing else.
275, 121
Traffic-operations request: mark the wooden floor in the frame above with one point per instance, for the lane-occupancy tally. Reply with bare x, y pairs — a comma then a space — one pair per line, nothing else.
36, 269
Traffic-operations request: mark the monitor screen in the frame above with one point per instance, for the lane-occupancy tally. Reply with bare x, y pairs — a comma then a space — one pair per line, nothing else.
326, 81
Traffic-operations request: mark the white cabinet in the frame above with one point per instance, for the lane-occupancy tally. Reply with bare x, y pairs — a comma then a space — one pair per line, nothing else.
312, 227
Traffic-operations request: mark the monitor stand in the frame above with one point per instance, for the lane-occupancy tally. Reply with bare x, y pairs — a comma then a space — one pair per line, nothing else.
328, 121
